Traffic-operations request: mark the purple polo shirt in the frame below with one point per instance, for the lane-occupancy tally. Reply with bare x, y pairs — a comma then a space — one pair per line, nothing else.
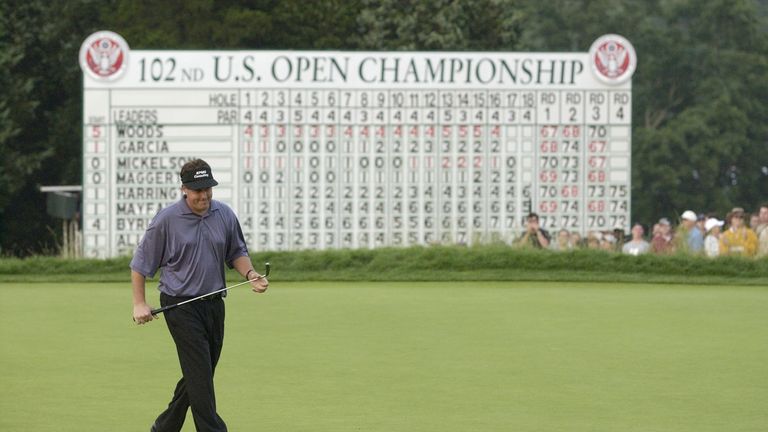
191, 249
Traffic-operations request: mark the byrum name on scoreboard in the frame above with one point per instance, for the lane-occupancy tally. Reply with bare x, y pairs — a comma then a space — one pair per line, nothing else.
132, 224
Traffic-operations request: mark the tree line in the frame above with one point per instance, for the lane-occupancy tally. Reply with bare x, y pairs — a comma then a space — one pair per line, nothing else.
700, 92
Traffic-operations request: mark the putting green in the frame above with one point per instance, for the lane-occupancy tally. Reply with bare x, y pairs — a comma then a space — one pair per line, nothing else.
401, 357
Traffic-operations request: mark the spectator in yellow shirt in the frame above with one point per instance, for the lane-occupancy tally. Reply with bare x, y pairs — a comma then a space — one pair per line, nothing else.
738, 240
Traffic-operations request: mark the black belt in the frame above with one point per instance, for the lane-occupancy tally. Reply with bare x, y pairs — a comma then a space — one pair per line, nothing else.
176, 299
212, 297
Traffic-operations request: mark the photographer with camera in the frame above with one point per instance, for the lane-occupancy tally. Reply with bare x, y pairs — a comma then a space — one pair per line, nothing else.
534, 235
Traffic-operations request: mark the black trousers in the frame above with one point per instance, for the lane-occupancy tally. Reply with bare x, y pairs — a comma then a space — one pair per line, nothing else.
197, 329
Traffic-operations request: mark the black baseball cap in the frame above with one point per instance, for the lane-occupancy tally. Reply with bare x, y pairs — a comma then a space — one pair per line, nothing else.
201, 178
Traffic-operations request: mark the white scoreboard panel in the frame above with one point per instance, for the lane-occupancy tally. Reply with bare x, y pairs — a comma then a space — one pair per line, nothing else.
321, 149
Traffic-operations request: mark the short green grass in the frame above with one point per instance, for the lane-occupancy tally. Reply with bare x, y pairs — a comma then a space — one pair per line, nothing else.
490, 356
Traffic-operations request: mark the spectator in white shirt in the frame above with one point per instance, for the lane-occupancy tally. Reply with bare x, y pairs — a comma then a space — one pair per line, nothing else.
638, 245
563, 241
712, 241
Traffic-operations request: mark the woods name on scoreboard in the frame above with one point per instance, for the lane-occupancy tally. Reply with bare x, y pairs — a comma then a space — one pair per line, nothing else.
327, 149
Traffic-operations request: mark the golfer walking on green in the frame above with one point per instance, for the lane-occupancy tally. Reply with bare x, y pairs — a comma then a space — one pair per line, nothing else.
191, 241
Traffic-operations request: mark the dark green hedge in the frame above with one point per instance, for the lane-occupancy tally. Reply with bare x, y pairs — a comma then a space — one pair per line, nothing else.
496, 262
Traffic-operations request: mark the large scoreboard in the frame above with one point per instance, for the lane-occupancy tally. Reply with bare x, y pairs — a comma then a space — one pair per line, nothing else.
332, 149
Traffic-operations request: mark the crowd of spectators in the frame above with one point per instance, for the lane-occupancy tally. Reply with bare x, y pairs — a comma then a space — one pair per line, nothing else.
738, 234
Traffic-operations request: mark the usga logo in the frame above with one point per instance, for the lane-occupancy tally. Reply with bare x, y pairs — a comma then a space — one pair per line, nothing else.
613, 59
104, 56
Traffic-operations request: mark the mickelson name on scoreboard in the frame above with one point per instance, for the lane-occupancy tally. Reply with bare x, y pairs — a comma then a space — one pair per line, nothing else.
358, 149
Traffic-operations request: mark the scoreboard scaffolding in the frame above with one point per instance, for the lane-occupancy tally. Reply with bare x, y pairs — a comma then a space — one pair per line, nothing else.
326, 149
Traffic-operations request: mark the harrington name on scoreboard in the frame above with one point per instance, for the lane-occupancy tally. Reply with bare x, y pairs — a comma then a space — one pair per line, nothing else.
328, 149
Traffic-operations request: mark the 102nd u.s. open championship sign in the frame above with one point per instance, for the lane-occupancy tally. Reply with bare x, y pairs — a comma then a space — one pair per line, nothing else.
334, 149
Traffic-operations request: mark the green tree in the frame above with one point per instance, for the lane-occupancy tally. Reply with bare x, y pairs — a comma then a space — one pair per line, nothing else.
439, 25
572, 25
702, 95
39, 112
20, 143
205, 24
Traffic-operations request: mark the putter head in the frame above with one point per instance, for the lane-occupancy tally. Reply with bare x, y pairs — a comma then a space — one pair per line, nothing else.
266, 269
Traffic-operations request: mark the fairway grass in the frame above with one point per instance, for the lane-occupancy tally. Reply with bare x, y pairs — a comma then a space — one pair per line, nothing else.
391, 357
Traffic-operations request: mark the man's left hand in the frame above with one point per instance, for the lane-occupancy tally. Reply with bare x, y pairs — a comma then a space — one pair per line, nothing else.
260, 285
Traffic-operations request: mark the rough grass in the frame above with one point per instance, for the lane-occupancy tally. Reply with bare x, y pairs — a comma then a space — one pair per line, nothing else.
440, 356
437, 264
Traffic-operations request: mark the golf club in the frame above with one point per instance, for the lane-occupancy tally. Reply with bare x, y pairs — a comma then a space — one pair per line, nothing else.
165, 308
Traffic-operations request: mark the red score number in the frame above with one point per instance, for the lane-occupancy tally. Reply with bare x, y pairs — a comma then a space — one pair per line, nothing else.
548, 176
569, 191
596, 176
597, 146
548, 206
571, 131
548, 131
597, 161
596, 206
548, 146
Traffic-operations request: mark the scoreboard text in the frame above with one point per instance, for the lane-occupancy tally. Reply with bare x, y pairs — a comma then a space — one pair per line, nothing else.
321, 149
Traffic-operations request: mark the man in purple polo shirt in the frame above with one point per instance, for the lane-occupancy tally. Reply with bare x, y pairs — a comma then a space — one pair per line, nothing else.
191, 241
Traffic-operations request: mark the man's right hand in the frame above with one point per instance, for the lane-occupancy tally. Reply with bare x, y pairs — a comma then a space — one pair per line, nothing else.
142, 313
